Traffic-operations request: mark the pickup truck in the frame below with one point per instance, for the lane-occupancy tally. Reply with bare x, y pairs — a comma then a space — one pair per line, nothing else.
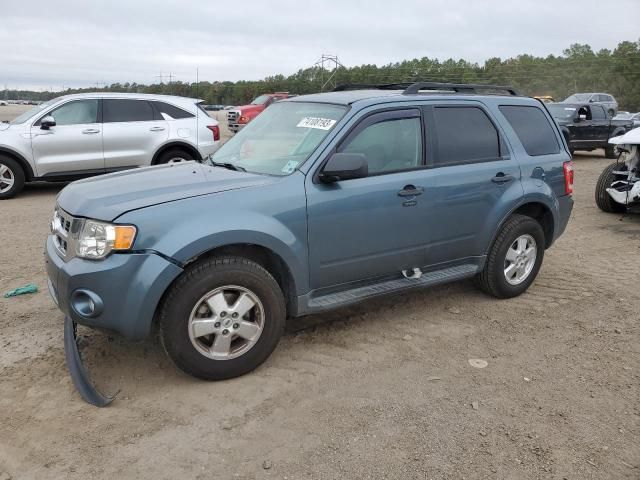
240, 116
587, 126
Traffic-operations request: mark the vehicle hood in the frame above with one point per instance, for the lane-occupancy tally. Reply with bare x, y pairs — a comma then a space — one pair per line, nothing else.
250, 108
109, 196
630, 138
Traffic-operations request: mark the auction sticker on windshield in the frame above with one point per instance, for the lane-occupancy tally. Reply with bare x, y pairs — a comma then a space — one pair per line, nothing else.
316, 122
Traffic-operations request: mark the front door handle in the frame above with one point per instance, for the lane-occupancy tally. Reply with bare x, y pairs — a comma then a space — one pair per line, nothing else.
502, 178
156, 129
410, 191
90, 131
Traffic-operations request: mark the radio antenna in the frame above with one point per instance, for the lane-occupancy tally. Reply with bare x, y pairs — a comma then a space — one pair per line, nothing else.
197, 115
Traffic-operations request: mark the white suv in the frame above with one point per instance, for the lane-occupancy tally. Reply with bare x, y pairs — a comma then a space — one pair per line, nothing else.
76, 136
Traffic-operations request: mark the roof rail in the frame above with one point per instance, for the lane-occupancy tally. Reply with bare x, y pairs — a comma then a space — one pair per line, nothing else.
457, 87
368, 86
411, 88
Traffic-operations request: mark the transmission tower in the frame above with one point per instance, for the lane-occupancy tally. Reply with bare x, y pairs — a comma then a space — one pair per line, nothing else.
328, 66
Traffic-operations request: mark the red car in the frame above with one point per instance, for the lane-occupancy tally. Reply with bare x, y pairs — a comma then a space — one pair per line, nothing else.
240, 116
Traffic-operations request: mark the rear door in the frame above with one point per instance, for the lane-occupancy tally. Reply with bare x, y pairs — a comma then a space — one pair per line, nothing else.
74, 145
132, 133
473, 179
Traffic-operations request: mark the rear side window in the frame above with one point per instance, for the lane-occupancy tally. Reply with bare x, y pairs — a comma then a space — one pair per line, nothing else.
126, 111
464, 135
597, 112
171, 111
532, 128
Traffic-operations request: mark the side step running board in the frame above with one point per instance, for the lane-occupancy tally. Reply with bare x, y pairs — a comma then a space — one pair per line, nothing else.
359, 294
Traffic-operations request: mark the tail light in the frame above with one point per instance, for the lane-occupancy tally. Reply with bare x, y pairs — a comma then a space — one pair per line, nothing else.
567, 168
215, 129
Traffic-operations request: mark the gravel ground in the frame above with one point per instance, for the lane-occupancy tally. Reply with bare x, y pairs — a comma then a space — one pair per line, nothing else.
381, 390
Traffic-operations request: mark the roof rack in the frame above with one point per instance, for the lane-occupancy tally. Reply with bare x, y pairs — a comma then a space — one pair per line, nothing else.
410, 88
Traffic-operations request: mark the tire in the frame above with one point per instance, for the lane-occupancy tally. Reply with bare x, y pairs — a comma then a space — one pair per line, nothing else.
192, 353
603, 199
493, 279
174, 155
11, 177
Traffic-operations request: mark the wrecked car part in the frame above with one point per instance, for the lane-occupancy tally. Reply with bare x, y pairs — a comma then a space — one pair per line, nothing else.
77, 370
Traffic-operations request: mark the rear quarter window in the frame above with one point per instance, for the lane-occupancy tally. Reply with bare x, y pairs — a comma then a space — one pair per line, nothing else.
532, 128
167, 110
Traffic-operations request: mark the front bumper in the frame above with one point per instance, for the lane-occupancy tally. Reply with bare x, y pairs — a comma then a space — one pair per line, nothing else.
128, 286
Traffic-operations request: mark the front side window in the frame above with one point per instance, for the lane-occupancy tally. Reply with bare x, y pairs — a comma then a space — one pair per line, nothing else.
464, 135
281, 138
77, 112
389, 146
117, 110
532, 128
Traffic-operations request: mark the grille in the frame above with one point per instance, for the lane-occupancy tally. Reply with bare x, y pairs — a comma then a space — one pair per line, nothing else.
232, 117
62, 229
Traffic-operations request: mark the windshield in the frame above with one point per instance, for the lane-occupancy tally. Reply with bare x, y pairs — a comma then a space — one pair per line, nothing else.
560, 111
32, 112
281, 138
261, 100
578, 97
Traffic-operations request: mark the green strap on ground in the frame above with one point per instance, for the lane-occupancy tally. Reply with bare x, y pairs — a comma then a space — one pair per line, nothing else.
31, 288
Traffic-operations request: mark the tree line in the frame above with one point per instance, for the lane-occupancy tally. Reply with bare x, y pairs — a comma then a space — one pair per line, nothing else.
578, 69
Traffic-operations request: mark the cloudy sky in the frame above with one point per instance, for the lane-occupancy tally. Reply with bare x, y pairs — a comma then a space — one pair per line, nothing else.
46, 45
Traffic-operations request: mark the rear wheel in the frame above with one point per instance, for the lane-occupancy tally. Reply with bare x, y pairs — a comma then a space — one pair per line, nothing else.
11, 177
603, 199
174, 155
515, 258
222, 318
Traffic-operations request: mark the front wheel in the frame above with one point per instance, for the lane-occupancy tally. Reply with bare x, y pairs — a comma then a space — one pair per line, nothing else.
11, 178
514, 259
603, 199
222, 318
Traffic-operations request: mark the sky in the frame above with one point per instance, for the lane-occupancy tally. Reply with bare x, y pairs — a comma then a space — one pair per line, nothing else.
46, 45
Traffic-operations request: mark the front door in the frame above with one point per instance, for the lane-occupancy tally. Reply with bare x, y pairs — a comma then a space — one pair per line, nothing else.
371, 227
133, 133
74, 144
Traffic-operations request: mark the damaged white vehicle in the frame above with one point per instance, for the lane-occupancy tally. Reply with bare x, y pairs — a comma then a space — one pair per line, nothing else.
618, 187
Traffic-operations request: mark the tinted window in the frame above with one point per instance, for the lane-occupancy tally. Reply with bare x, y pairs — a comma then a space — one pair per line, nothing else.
464, 134
126, 111
173, 112
597, 112
389, 145
76, 113
533, 129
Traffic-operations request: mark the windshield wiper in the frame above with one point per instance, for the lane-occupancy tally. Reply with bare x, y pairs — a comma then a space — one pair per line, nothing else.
228, 166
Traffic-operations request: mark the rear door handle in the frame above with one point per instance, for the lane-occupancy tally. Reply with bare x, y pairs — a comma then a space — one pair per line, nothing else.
502, 178
90, 131
156, 129
410, 191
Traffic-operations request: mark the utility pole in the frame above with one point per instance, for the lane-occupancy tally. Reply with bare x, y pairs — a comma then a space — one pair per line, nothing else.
330, 64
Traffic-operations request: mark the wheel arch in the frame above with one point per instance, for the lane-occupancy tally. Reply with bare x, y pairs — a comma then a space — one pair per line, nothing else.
181, 145
263, 256
28, 171
536, 209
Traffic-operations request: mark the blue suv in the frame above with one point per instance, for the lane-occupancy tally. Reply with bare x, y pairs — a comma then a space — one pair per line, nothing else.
323, 201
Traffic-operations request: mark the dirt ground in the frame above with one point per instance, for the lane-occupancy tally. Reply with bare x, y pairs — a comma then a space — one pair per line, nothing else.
381, 390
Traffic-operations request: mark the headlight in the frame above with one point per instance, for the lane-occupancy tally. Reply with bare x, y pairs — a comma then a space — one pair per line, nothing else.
99, 239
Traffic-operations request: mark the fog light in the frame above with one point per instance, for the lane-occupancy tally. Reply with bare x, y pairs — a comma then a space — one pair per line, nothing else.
86, 303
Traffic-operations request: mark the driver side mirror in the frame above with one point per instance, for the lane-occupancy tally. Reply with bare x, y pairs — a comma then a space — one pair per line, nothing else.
344, 166
47, 122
